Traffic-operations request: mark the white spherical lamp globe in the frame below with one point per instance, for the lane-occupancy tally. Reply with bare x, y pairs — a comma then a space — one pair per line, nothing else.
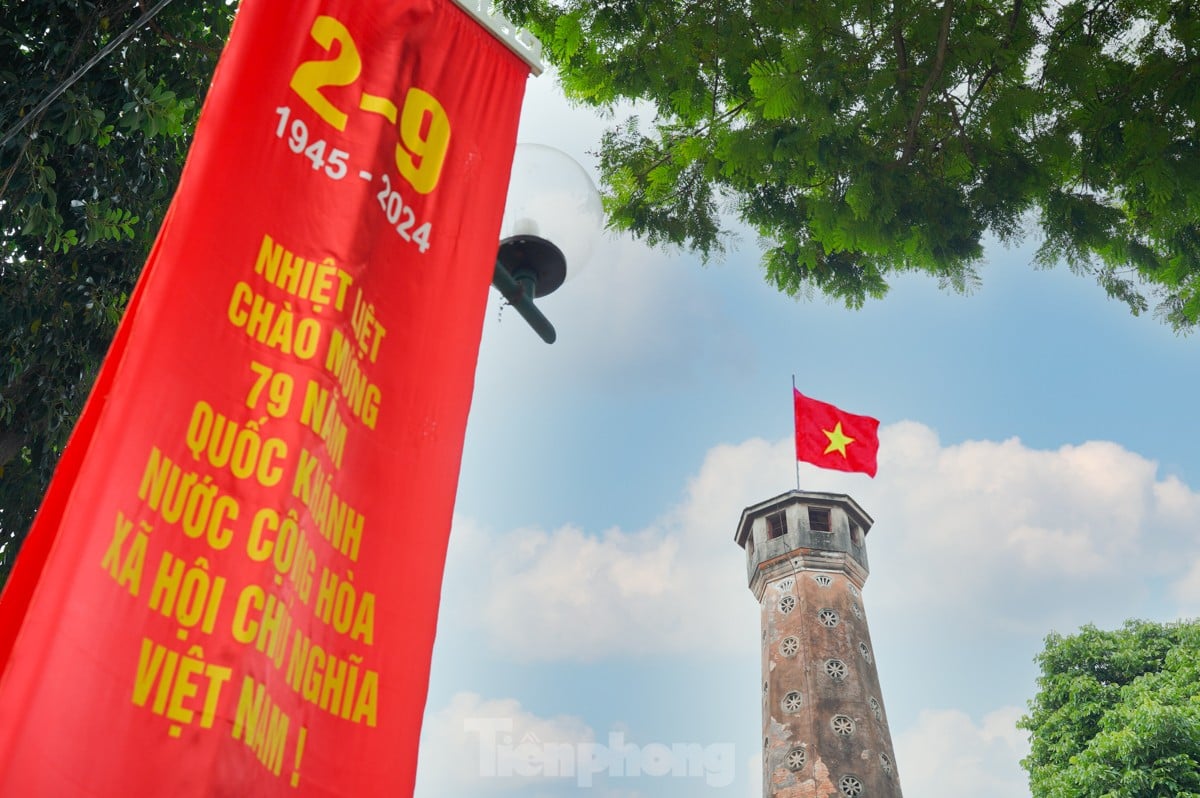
552, 218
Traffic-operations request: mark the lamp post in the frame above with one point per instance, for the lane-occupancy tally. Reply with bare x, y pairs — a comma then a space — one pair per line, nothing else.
552, 219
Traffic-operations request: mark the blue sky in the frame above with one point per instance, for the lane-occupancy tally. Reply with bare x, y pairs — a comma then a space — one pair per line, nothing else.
1038, 471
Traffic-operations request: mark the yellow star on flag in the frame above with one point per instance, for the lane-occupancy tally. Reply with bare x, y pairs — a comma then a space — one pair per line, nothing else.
838, 440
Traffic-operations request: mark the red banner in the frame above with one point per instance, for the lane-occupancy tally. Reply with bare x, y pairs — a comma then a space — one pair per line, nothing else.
232, 585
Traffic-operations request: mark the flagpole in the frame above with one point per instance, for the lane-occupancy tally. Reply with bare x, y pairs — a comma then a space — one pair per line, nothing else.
795, 431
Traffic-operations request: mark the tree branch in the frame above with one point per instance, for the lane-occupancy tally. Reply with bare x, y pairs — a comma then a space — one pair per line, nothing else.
994, 68
668, 154
898, 45
939, 63
11, 444
964, 139
12, 170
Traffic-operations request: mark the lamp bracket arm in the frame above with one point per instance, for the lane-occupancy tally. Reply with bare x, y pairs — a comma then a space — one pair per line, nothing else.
522, 300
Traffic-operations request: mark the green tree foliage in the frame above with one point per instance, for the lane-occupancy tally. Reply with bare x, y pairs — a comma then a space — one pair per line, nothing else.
1117, 714
868, 137
83, 189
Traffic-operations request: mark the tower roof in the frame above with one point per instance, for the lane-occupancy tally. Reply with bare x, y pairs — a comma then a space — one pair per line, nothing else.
801, 497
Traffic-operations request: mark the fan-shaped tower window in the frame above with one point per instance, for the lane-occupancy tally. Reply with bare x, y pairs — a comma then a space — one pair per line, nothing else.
843, 725
836, 669
850, 786
795, 759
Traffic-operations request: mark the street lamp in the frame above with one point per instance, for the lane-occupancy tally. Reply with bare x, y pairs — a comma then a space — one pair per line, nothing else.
552, 219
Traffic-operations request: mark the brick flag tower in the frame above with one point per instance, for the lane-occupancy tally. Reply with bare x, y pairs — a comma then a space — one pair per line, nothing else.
825, 734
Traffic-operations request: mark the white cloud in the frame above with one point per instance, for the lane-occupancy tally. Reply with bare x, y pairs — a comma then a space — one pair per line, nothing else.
994, 535
569, 595
1024, 539
1176, 501
947, 755
1187, 591
476, 745
632, 319
754, 768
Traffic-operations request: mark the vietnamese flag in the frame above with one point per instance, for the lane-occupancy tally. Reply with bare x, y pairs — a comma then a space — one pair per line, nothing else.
829, 437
